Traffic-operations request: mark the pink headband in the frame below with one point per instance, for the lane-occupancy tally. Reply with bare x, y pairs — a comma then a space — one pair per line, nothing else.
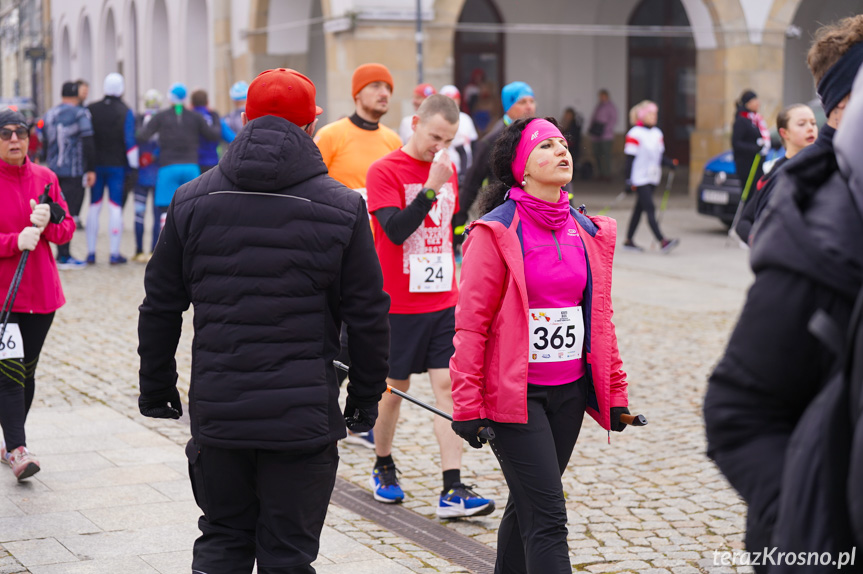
536, 131
644, 110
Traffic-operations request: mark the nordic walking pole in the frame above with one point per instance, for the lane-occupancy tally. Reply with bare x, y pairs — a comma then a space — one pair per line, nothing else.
617, 200
633, 420
663, 205
485, 433
744, 195
9, 302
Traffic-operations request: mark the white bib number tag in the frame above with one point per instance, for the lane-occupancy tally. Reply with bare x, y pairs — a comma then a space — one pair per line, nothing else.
12, 345
555, 334
431, 273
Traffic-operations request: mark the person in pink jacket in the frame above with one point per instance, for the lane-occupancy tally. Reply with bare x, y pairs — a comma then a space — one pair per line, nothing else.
535, 347
25, 225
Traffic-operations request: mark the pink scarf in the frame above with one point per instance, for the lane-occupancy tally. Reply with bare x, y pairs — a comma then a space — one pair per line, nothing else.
544, 213
758, 122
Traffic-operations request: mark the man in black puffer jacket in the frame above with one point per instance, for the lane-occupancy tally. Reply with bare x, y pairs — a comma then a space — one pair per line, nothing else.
274, 255
807, 255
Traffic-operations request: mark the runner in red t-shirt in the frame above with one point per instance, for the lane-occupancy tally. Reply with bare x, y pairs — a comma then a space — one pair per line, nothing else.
412, 195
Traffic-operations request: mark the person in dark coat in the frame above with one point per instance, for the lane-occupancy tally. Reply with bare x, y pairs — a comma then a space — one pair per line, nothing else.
807, 255
274, 255
114, 137
750, 138
798, 129
518, 103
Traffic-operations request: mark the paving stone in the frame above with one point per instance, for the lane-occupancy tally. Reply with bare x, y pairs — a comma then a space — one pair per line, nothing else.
651, 493
50, 524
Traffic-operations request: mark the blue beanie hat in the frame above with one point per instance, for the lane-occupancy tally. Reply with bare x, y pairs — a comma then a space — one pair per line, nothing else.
177, 93
239, 90
513, 92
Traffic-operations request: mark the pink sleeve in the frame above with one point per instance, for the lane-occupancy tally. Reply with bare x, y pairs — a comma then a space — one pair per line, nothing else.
62, 232
8, 244
619, 394
483, 279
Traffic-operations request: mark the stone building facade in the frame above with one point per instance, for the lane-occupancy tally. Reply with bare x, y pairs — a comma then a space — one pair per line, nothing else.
694, 57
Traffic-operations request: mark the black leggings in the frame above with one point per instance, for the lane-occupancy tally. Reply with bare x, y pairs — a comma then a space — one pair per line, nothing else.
18, 377
73, 193
533, 456
644, 204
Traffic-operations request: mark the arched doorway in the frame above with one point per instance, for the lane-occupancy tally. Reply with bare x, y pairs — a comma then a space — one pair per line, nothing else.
198, 46
160, 44
109, 38
479, 63
663, 70
811, 15
85, 52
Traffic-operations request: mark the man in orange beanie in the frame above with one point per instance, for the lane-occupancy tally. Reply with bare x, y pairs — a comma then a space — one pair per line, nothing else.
274, 255
350, 145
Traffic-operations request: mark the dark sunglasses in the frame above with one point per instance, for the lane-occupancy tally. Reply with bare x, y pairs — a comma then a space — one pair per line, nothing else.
6, 133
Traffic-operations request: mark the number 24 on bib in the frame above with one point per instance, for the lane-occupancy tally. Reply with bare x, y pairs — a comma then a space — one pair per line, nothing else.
555, 334
431, 273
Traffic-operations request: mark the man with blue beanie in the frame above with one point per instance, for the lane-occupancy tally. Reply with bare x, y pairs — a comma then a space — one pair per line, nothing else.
233, 121
179, 129
518, 103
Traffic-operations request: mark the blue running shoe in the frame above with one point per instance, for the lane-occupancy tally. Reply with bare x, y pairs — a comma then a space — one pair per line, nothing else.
69, 262
385, 485
460, 502
91, 259
117, 260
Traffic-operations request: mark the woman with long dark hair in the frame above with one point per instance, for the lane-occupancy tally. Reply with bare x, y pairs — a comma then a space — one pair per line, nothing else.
535, 347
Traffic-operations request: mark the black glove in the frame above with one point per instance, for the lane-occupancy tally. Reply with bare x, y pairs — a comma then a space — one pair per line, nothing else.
159, 409
616, 425
469, 431
360, 419
627, 187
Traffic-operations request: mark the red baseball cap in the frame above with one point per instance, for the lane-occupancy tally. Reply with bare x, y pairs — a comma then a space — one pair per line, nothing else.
282, 93
424, 90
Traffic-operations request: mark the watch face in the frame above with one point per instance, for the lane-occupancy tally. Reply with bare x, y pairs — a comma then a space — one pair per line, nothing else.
430, 193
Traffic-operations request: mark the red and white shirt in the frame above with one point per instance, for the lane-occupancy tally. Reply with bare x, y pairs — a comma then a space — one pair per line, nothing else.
648, 147
394, 181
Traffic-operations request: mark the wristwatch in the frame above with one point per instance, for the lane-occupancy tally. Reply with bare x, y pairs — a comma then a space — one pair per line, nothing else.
430, 193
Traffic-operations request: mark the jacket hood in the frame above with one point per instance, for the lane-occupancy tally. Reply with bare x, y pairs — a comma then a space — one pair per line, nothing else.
812, 225
270, 154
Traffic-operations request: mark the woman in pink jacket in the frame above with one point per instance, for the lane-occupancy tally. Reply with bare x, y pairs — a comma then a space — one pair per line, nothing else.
535, 347
25, 225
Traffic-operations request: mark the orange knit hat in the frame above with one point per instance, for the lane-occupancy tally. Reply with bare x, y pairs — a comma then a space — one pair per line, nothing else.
368, 73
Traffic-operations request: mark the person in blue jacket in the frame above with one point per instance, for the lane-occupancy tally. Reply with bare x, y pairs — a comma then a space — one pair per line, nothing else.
208, 150
148, 169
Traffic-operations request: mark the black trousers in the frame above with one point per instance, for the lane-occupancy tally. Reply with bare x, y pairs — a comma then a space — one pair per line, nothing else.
18, 377
533, 456
260, 504
73, 193
644, 204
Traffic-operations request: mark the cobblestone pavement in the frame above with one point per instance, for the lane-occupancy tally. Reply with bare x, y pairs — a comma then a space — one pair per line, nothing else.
650, 502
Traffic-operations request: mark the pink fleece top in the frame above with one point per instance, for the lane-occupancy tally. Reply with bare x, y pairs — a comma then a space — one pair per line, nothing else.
555, 271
